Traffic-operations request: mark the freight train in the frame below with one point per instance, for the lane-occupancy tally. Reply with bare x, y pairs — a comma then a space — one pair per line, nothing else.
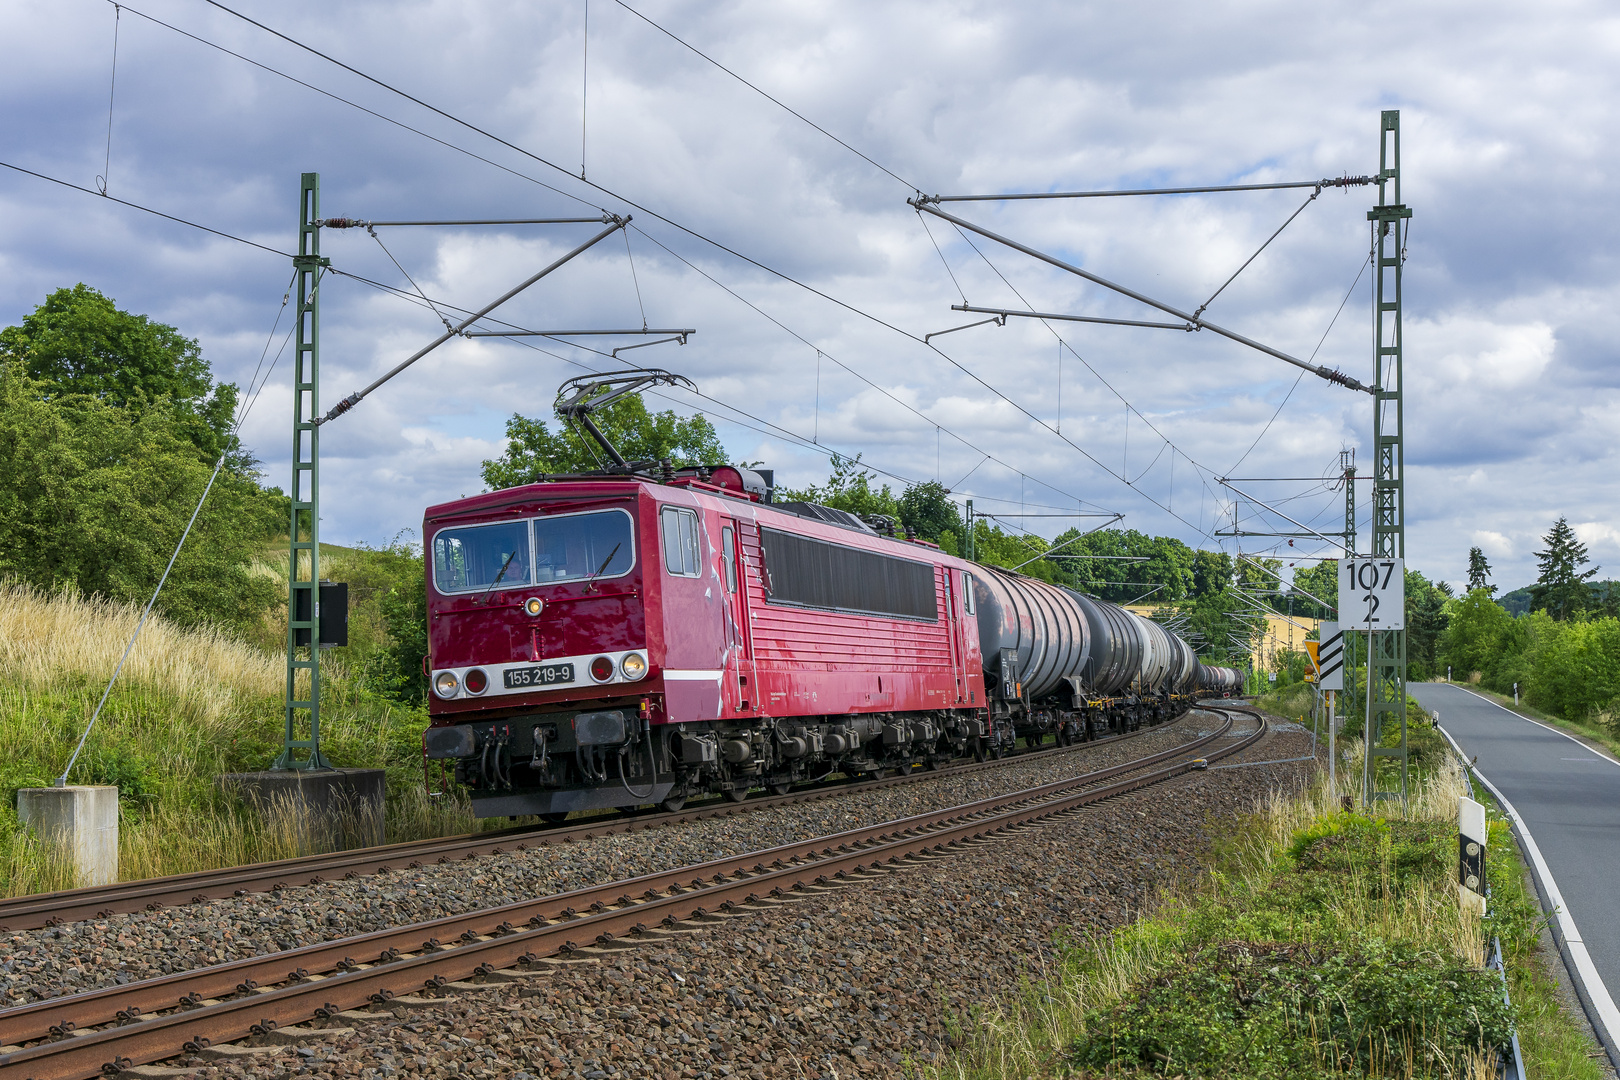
649, 634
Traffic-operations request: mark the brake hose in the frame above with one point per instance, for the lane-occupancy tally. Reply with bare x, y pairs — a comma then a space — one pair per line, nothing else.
652, 766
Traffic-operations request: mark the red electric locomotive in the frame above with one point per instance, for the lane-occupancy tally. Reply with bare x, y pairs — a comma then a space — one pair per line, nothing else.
611, 641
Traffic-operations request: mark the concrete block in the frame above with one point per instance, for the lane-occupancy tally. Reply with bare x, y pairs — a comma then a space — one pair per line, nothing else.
81, 820
326, 809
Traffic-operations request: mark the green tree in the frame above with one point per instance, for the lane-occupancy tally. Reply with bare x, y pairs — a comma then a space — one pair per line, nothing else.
1475, 631
849, 489
397, 668
1479, 572
94, 497
1212, 573
1321, 582
534, 450
1561, 590
1121, 565
1573, 667
1259, 574
1426, 618
927, 509
79, 342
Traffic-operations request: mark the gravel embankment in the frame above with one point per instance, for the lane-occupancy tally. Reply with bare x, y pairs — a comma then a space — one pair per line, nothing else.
858, 981
69, 959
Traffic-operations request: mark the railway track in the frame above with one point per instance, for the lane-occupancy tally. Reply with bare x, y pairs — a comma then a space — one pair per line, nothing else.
107, 1030
45, 910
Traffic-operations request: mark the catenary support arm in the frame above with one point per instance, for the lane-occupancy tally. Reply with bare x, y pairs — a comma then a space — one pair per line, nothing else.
1330, 374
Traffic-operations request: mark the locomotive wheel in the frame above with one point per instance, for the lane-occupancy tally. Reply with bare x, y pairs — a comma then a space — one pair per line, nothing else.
995, 751
552, 819
978, 751
779, 787
737, 794
935, 763
673, 804
1033, 741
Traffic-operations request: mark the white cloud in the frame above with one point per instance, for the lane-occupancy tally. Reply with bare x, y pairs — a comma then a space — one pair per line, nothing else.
1511, 375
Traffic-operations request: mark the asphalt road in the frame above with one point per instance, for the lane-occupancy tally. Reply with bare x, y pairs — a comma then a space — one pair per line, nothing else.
1567, 798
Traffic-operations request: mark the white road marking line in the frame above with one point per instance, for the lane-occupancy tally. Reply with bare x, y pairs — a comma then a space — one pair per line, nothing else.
1539, 724
1608, 1016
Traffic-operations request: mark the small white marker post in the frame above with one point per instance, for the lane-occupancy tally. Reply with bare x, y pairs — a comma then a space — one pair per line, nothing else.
1471, 834
1333, 757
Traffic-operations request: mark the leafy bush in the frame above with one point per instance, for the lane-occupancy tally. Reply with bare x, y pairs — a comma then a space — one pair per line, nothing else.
1351, 842
95, 497
1266, 1009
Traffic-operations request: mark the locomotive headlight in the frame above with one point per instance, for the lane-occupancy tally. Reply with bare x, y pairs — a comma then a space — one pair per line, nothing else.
534, 605
633, 666
445, 684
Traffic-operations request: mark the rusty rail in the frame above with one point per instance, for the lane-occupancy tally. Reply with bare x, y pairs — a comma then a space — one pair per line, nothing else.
490, 940
42, 910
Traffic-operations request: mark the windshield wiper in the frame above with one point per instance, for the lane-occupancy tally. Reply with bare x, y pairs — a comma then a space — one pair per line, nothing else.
498, 577
590, 582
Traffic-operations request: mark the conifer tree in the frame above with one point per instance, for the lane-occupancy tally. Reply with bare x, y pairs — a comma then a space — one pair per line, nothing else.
1561, 590
1479, 572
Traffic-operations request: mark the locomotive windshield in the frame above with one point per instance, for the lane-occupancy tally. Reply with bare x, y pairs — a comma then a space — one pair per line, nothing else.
481, 556
562, 547
571, 547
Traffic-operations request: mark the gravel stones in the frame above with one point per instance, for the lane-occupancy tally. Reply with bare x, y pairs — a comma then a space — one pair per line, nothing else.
123, 948
860, 980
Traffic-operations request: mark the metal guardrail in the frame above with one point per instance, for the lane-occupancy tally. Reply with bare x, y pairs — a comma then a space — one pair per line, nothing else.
1512, 1061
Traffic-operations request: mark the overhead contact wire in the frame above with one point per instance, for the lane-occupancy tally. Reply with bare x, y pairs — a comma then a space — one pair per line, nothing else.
684, 229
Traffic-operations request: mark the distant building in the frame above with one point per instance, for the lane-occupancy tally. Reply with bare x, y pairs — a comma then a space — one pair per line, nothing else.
1278, 632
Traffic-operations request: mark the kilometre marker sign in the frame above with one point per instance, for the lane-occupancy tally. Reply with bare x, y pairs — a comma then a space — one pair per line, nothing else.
1372, 593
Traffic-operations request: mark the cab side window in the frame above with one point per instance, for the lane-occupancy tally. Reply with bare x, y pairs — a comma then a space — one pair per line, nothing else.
728, 555
680, 529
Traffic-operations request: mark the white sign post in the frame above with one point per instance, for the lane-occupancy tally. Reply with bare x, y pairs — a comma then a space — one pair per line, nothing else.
1471, 835
1372, 593
1372, 597
1330, 658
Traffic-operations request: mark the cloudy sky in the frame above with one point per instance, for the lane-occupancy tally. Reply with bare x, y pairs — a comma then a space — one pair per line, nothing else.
809, 279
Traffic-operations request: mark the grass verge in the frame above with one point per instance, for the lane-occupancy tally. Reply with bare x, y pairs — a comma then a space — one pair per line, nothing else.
1316, 942
188, 706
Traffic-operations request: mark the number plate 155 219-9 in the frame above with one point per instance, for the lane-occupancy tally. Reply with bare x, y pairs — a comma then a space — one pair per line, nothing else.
549, 675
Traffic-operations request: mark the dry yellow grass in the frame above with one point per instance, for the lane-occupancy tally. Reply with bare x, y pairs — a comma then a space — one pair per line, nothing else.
44, 636
189, 705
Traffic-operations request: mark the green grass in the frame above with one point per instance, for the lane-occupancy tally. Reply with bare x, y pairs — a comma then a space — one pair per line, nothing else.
1315, 943
189, 706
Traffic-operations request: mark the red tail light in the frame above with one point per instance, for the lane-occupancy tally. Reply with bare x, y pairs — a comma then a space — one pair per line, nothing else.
476, 682
602, 669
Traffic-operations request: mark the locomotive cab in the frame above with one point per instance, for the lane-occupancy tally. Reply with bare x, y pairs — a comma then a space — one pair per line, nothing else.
538, 647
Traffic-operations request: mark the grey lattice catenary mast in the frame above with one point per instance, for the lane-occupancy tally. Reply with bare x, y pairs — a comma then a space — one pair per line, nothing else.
1386, 650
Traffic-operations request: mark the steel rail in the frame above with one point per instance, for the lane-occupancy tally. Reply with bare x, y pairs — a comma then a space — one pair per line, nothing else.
48, 1016
77, 1057
43, 910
